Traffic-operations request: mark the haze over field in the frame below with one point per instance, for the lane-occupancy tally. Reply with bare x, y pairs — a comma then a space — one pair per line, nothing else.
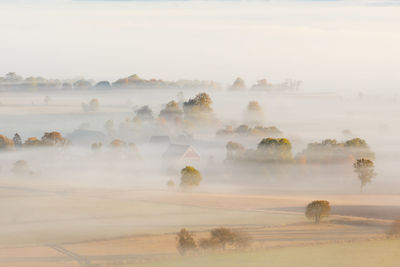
332, 46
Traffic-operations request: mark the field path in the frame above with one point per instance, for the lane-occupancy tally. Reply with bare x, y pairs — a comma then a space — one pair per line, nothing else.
80, 259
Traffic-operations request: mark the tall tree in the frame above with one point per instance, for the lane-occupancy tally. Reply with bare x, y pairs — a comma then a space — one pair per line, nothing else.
365, 171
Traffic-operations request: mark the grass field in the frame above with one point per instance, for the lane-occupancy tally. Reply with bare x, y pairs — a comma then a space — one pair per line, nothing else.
51, 227
381, 253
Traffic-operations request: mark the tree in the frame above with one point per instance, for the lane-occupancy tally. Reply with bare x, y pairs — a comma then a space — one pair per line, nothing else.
116, 143
32, 142
53, 139
6, 144
170, 183
144, 113
275, 149
318, 209
171, 112
254, 113
96, 146
190, 177
238, 84
103, 85
185, 242
201, 103
82, 84
20, 167
234, 151
109, 127
365, 171
17, 140
94, 104
221, 237
394, 229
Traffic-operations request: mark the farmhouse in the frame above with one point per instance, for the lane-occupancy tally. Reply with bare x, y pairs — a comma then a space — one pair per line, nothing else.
181, 153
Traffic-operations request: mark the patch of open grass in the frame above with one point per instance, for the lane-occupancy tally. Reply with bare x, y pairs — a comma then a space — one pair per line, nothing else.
380, 253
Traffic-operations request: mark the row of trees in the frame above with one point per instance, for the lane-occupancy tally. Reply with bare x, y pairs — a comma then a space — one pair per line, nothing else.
244, 130
220, 238
279, 150
331, 151
48, 139
13, 80
240, 85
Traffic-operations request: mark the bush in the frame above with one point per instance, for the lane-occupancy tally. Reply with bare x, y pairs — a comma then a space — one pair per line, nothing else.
394, 229
186, 242
221, 237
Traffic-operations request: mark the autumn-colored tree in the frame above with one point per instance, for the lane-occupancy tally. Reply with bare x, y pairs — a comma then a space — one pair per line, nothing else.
171, 112
32, 142
200, 104
318, 209
365, 171
6, 144
190, 177
116, 143
186, 242
238, 84
53, 139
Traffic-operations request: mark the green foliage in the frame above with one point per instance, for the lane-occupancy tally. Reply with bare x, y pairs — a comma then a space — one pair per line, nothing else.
356, 143
96, 146
275, 149
331, 151
190, 177
365, 171
318, 209
186, 242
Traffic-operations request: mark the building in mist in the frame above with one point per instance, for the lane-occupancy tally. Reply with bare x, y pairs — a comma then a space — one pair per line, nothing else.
181, 153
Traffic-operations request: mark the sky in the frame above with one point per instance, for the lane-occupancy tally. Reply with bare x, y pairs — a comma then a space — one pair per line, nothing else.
330, 45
